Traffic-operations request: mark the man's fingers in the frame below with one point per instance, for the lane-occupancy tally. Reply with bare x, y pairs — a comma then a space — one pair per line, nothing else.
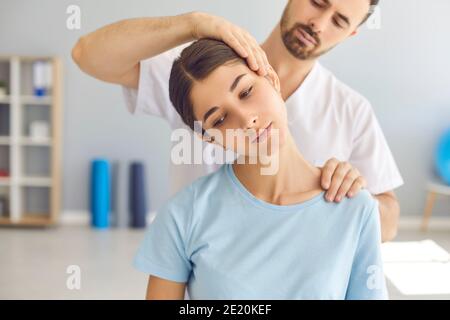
346, 185
261, 64
234, 43
251, 59
355, 189
259, 54
327, 172
256, 59
265, 61
358, 185
337, 179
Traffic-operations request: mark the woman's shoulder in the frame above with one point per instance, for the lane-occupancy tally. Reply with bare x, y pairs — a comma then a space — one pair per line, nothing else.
199, 189
363, 198
361, 206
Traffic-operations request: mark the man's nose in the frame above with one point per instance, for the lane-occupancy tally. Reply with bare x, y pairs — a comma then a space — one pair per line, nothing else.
318, 23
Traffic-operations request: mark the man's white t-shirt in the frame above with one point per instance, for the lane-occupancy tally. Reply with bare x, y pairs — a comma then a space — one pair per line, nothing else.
326, 118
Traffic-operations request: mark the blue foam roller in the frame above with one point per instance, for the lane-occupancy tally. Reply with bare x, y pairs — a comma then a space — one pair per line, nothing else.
442, 158
100, 193
137, 195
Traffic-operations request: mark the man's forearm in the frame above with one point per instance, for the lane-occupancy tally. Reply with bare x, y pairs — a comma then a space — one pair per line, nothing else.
389, 215
111, 51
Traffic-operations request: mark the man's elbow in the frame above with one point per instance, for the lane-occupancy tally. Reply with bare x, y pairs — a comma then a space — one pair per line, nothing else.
77, 52
85, 60
389, 231
389, 234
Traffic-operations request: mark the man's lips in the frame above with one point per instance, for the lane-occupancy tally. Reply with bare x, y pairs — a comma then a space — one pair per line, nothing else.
263, 134
306, 37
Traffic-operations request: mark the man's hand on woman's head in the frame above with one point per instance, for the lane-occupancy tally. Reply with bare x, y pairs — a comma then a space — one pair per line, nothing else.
209, 26
341, 179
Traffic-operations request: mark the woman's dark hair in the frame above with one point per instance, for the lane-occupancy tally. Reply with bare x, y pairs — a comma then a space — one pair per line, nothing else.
195, 63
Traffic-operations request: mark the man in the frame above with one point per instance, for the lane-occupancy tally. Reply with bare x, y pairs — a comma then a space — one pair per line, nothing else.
333, 125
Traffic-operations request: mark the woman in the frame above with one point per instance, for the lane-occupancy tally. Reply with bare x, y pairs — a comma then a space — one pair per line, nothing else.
240, 233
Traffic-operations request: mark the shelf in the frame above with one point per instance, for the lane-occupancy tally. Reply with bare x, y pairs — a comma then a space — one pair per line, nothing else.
36, 202
5, 140
28, 181
37, 116
35, 100
28, 59
36, 220
5, 159
5, 100
36, 161
29, 141
5, 126
35, 181
4, 201
5, 77
32, 189
5, 181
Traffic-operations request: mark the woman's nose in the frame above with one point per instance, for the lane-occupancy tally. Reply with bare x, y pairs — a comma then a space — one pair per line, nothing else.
251, 122
248, 119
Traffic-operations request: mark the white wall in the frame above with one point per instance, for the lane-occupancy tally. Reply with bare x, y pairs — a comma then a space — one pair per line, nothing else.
403, 69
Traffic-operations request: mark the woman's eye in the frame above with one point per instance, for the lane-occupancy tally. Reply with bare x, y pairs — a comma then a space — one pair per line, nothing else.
218, 122
246, 93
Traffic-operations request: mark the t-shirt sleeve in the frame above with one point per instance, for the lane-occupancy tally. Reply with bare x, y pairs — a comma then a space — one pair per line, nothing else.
152, 95
162, 253
371, 154
367, 281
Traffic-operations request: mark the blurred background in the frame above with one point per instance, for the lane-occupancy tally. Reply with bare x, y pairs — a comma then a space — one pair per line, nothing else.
401, 66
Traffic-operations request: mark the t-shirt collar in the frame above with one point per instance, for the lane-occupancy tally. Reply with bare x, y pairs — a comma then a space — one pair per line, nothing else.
305, 86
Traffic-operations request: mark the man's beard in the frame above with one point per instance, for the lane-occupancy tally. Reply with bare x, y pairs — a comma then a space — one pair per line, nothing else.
295, 46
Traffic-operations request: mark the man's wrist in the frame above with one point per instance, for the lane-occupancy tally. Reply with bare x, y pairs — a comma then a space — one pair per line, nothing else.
190, 22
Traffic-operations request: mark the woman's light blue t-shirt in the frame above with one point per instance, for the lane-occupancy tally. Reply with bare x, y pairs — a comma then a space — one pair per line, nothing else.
227, 244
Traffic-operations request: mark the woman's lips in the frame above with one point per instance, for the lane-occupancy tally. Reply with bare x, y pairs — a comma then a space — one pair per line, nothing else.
263, 135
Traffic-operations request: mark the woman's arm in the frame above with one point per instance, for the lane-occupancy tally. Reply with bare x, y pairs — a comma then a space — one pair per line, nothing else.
161, 289
367, 280
163, 253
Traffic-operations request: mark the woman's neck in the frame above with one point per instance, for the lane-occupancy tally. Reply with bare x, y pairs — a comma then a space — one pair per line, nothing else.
294, 180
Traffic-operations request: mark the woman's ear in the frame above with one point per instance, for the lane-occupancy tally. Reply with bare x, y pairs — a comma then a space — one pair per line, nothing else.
209, 139
272, 76
206, 138
212, 139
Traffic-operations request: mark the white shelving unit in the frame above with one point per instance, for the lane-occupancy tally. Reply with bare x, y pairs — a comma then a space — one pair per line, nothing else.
32, 187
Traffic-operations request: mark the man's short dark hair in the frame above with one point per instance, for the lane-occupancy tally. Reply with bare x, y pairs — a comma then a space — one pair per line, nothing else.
373, 4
